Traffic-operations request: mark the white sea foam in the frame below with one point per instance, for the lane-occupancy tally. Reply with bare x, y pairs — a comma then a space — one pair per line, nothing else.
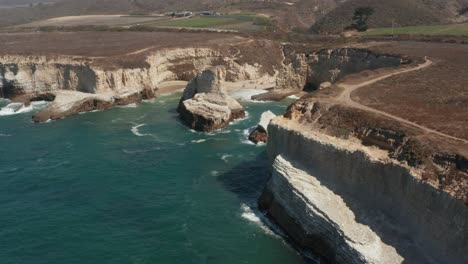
247, 142
10, 170
126, 151
255, 217
198, 141
5, 135
136, 132
261, 144
246, 94
19, 108
248, 131
217, 132
247, 115
214, 173
59, 164
294, 97
132, 105
225, 157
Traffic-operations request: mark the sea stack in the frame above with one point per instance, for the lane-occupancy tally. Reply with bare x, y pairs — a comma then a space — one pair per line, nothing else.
205, 105
260, 133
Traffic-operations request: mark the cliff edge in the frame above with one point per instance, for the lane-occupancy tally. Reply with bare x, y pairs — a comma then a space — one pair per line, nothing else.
358, 188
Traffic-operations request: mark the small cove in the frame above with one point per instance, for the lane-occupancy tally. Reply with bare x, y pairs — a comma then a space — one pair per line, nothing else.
133, 185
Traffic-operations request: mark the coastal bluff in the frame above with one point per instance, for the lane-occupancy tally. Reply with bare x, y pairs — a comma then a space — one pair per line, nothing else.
205, 105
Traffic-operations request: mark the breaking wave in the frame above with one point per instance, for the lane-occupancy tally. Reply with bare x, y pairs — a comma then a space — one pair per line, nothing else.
294, 97
126, 151
19, 108
136, 132
198, 141
257, 218
132, 105
246, 94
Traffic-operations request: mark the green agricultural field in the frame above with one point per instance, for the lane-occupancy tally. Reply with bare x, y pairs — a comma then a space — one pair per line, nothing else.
452, 30
235, 22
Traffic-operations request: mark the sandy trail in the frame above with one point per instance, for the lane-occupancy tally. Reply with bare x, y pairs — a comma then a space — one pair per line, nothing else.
345, 99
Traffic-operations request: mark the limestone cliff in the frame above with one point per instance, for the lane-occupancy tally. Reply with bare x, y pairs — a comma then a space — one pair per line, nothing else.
309, 69
205, 105
110, 80
352, 201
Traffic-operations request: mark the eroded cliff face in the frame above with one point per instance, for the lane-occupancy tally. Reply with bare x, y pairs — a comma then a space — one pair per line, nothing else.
88, 83
19, 74
356, 203
307, 70
333, 64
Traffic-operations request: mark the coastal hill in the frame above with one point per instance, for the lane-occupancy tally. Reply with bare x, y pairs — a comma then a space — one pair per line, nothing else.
319, 15
399, 12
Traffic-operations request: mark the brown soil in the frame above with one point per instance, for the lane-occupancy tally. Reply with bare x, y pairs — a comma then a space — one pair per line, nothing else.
102, 44
442, 162
435, 97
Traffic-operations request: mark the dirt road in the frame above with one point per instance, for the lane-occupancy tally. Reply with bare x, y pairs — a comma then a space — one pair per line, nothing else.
345, 99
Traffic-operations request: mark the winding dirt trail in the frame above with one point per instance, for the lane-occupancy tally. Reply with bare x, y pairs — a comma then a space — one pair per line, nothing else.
345, 99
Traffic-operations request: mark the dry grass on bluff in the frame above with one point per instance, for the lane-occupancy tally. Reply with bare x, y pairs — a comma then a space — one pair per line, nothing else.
435, 97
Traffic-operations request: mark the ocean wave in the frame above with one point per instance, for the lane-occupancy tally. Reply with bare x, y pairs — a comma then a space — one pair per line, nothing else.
214, 173
19, 108
219, 131
152, 100
10, 170
247, 142
257, 218
5, 135
132, 105
225, 157
198, 141
59, 164
126, 151
261, 144
246, 117
136, 132
246, 94
294, 97
246, 132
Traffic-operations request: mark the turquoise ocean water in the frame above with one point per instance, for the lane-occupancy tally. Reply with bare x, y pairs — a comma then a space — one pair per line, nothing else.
133, 185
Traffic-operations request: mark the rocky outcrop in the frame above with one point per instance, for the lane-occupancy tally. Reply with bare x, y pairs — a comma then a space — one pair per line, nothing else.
205, 106
142, 71
352, 203
331, 65
68, 103
260, 134
319, 69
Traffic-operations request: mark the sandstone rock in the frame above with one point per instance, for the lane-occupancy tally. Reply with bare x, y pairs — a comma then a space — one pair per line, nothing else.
205, 106
68, 103
260, 133
325, 85
319, 194
209, 112
209, 81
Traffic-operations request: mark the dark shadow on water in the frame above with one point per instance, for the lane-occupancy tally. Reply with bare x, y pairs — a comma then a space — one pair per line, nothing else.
248, 179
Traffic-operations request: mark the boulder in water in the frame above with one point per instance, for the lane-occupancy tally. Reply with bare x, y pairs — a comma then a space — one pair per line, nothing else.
260, 133
205, 106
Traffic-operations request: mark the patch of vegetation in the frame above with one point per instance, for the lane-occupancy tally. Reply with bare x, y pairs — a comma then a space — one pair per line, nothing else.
235, 21
360, 17
448, 30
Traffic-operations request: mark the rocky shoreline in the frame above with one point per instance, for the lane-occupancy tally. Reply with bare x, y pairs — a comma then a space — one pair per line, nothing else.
320, 188
345, 185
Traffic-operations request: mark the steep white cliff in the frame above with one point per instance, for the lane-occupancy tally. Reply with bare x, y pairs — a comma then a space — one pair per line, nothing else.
352, 204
